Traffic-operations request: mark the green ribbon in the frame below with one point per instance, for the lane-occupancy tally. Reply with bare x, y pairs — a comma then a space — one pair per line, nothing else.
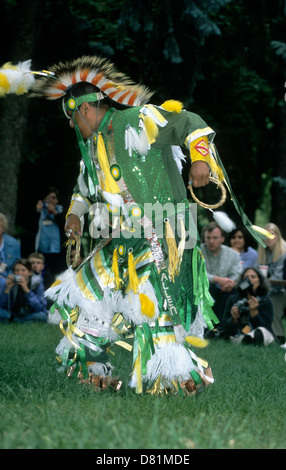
196, 377
247, 223
201, 289
145, 343
86, 156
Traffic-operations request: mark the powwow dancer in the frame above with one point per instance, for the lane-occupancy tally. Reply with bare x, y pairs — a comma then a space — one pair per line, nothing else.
145, 269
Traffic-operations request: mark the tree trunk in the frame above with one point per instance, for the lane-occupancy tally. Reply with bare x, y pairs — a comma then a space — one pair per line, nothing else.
23, 20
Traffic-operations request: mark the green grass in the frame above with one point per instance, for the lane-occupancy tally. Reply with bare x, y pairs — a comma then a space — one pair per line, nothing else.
41, 408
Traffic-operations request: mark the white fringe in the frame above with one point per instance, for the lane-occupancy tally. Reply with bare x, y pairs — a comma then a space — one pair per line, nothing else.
178, 156
135, 141
95, 316
54, 318
198, 326
180, 333
172, 362
65, 344
134, 313
82, 186
67, 292
98, 368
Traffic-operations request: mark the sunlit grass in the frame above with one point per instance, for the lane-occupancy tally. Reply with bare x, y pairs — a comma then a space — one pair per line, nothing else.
41, 408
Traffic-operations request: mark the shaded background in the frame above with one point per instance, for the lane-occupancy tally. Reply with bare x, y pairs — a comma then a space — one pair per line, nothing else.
224, 59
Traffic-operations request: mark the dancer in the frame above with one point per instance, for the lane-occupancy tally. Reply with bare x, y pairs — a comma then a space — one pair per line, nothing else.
146, 271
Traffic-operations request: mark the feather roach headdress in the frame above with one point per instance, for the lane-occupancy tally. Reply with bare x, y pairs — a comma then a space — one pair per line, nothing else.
54, 83
97, 71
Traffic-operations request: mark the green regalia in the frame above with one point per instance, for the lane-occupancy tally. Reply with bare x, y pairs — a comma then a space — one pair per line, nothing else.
145, 277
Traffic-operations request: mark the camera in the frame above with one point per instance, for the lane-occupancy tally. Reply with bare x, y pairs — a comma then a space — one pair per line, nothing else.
245, 287
244, 311
16, 278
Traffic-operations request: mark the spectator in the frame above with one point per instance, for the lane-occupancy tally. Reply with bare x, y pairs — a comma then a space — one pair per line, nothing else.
273, 256
18, 300
10, 250
37, 261
248, 313
48, 238
239, 241
223, 266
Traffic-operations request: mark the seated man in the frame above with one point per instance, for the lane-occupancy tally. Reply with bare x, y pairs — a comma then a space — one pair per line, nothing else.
223, 266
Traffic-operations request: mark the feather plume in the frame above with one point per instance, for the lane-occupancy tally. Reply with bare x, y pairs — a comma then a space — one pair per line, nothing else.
172, 106
224, 222
16, 79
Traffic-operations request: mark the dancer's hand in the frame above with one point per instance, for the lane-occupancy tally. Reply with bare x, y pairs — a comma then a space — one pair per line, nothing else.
199, 174
72, 227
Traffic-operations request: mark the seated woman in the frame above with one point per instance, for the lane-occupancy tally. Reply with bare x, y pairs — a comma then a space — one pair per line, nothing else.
239, 241
273, 256
248, 313
19, 300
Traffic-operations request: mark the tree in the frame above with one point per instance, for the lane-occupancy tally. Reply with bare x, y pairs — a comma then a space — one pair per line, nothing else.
216, 56
279, 166
13, 111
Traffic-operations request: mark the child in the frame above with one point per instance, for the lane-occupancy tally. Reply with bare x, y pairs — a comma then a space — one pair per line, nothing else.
37, 261
19, 301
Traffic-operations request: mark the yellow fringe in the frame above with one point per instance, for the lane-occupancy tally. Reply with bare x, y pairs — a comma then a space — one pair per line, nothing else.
196, 341
147, 306
151, 129
133, 279
115, 270
174, 260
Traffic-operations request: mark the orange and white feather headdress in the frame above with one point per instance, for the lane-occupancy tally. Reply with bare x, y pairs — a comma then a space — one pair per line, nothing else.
53, 83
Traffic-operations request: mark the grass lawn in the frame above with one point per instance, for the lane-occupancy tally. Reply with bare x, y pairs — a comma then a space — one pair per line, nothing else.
41, 408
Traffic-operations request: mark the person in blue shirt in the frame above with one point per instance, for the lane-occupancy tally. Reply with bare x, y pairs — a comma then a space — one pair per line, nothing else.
10, 250
20, 300
239, 241
48, 238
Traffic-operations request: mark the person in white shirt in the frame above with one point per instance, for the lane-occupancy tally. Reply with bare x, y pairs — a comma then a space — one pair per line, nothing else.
223, 266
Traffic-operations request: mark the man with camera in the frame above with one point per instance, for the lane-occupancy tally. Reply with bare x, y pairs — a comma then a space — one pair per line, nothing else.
248, 313
19, 300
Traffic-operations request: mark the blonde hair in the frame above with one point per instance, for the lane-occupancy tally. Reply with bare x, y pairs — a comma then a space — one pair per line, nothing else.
279, 248
37, 255
4, 221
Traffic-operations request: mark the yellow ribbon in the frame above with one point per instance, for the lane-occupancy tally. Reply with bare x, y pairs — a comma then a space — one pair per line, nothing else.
117, 279
174, 260
109, 184
133, 278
